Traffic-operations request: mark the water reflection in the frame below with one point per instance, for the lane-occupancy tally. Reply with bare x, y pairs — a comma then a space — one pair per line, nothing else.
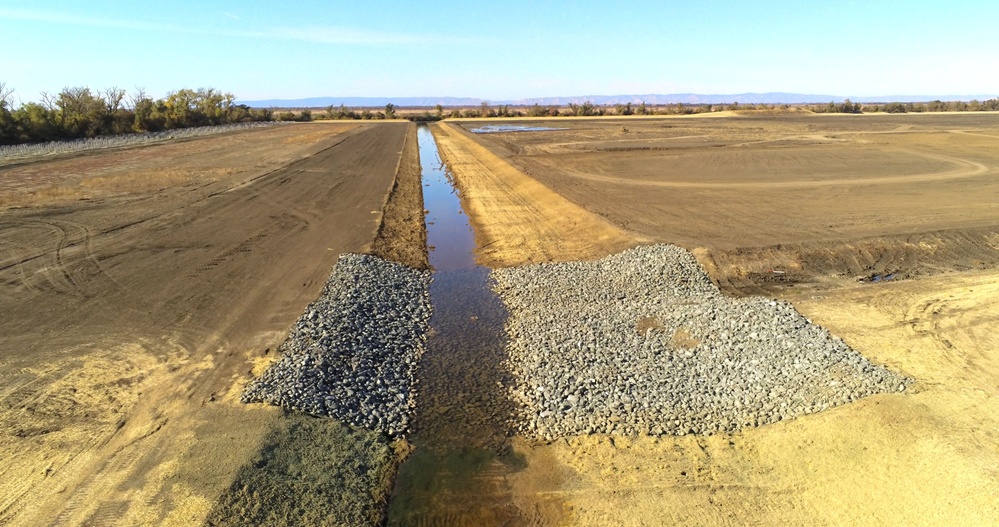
498, 128
456, 475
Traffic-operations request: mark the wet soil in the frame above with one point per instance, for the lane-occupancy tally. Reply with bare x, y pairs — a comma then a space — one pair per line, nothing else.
402, 235
312, 471
462, 458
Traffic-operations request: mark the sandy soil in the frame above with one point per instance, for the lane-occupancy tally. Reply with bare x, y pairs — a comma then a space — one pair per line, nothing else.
930, 457
856, 195
133, 312
140, 288
805, 195
516, 219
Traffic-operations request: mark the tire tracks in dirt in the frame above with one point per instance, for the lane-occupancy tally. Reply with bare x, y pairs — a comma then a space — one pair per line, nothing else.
206, 277
963, 168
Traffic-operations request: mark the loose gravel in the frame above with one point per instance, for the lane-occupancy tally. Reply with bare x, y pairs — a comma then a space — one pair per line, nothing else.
352, 355
642, 342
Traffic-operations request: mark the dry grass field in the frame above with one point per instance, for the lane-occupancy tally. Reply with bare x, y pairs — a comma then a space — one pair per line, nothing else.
799, 207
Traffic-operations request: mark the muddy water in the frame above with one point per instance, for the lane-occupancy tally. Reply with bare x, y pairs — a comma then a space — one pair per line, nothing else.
457, 473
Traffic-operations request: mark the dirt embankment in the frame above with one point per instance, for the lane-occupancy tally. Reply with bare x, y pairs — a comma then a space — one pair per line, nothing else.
777, 200
821, 265
516, 219
927, 456
133, 314
402, 235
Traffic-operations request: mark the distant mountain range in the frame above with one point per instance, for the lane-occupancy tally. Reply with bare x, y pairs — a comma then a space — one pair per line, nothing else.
651, 99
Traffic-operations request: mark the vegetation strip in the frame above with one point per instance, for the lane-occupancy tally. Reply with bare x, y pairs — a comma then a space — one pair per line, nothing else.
643, 343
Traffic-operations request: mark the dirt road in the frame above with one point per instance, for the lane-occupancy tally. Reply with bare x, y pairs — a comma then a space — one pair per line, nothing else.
140, 287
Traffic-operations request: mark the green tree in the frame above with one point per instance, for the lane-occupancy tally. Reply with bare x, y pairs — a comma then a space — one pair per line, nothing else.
81, 113
116, 119
390, 111
623, 109
8, 128
36, 122
584, 109
340, 113
895, 107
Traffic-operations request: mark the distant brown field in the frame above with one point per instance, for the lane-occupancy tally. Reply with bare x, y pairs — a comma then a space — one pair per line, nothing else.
784, 192
139, 289
797, 207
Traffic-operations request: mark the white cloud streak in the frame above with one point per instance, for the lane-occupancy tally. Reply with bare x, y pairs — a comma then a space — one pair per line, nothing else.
314, 34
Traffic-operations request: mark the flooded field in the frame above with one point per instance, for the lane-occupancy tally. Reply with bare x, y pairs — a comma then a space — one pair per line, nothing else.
499, 128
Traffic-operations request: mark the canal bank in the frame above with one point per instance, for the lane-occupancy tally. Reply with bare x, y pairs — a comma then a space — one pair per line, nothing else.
457, 474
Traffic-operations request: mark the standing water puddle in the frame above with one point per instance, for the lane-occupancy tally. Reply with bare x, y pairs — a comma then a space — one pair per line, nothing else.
500, 128
456, 475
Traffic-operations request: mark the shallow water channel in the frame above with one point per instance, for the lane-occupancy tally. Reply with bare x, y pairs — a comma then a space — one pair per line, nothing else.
455, 476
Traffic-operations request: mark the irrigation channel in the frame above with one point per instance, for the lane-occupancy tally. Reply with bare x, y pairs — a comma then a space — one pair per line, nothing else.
455, 475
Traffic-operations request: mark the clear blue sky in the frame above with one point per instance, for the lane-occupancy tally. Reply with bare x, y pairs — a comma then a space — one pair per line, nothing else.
502, 50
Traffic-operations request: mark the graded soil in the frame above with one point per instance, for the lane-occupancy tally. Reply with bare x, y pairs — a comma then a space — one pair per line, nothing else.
880, 228
768, 200
516, 219
141, 288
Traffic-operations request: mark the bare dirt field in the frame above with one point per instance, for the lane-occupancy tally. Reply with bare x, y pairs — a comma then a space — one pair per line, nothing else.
140, 287
808, 196
798, 207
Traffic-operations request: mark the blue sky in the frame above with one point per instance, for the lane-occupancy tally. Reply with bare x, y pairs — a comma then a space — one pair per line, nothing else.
501, 50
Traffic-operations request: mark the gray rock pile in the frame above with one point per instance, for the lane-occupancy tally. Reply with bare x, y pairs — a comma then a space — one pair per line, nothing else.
643, 342
353, 354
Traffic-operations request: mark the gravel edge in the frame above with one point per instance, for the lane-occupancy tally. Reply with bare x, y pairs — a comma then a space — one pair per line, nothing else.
353, 353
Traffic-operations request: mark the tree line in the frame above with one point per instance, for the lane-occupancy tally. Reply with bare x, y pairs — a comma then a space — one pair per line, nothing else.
79, 112
587, 108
